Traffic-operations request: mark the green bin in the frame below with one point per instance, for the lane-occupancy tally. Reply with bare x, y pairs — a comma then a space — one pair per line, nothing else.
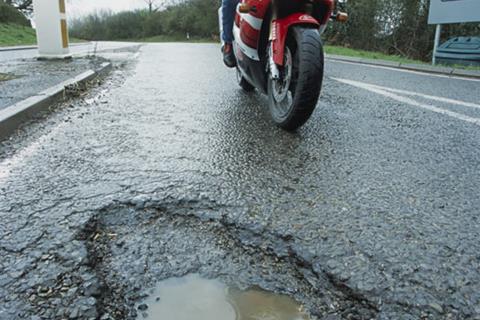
460, 50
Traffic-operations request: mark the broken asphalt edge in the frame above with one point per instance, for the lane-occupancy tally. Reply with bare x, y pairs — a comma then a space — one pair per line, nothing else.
13, 116
32, 47
442, 70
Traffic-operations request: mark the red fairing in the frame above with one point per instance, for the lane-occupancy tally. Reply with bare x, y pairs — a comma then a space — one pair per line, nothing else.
261, 7
280, 30
249, 35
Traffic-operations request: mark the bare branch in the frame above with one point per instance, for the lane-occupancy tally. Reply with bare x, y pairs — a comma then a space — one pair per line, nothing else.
21, 5
151, 5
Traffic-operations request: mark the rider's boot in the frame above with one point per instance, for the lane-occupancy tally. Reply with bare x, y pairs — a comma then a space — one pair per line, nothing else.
228, 56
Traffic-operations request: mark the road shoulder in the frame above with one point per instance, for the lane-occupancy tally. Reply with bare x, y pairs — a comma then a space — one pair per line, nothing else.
14, 115
408, 66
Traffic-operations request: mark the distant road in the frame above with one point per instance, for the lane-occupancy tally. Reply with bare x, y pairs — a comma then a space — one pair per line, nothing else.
76, 48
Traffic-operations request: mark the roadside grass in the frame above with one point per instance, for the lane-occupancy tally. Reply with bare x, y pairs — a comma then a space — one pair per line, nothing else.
343, 51
16, 35
75, 40
459, 66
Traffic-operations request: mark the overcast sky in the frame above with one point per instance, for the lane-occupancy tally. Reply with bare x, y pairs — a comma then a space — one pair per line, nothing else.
76, 8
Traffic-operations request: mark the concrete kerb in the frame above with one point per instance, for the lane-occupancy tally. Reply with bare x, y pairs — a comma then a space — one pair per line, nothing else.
13, 116
408, 66
17, 48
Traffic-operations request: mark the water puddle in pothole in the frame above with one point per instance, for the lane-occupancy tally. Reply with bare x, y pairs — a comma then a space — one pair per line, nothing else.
196, 298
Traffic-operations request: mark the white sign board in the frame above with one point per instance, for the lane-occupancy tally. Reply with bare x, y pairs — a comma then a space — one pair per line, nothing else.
454, 11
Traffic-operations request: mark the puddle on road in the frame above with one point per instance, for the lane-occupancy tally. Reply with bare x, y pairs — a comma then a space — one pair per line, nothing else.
196, 298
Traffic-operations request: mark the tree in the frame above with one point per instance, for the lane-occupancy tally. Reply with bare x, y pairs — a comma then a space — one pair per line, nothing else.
24, 6
152, 7
9, 14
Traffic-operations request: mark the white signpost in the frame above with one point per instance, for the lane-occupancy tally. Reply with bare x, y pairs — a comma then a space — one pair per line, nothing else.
51, 25
451, 11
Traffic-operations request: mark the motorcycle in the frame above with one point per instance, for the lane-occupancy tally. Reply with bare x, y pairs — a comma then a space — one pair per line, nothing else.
279, 52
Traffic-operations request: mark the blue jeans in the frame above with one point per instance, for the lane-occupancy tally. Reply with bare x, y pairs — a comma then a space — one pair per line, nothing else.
228, 16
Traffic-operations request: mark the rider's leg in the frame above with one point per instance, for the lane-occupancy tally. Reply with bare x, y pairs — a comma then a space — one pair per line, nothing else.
228, 16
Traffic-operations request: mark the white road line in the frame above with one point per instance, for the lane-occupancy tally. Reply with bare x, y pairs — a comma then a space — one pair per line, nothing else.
384, 92
430, 97
406, 71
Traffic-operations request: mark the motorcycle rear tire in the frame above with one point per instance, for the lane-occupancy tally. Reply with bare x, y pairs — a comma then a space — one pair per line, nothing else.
308, 63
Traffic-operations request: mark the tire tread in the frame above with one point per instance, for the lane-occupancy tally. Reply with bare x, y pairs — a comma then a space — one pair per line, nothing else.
310, 76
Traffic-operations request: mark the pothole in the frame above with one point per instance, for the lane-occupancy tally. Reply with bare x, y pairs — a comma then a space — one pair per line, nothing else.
132, 247
194, 297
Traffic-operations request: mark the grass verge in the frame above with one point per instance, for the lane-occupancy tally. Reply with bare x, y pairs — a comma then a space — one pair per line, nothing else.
16, 35
342, 51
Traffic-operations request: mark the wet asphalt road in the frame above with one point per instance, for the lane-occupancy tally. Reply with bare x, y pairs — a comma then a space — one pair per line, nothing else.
167, 168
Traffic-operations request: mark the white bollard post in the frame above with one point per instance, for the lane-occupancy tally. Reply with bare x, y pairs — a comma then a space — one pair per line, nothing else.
436, 43
51, 24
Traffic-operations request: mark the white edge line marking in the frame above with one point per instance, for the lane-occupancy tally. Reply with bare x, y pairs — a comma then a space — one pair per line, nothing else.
409, 101
426, 96
405, 70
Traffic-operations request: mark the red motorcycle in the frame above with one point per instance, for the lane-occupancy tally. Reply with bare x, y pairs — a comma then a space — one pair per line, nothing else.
278, 50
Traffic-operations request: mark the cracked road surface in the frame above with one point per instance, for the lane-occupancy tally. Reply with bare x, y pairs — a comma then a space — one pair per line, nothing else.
166, 168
